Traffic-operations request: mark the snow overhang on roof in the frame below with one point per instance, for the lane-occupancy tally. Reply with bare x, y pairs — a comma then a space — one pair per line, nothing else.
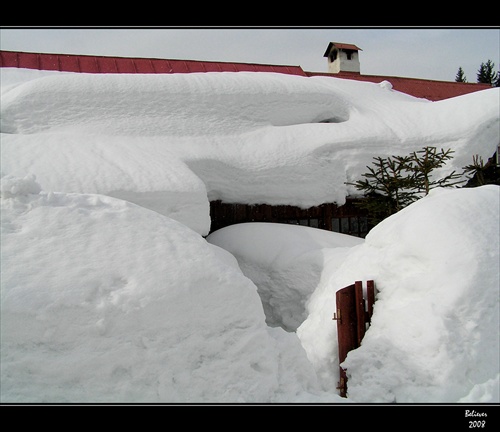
340, 46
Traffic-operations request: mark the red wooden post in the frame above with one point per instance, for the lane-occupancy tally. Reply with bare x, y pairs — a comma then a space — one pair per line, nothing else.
351, 316
370, 298
360, 312
346, 329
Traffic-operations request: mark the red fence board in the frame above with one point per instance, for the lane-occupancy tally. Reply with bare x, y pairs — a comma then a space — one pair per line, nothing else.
352, 317
360, 312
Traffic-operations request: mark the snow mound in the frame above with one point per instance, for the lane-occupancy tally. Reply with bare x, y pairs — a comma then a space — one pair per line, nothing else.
105, 301
284, 261
166, 104
434, 332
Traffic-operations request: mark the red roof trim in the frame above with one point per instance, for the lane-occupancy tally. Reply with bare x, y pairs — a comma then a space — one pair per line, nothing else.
103, 64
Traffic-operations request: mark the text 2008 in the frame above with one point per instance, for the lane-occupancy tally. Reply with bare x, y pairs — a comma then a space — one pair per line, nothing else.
475, 424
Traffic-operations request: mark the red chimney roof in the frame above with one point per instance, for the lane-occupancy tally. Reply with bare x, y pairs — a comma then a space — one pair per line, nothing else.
340, 46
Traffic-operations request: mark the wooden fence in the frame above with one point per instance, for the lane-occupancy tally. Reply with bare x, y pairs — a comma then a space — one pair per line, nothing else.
353, 316
346, 219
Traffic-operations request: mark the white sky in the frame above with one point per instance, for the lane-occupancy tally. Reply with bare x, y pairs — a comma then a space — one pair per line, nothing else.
431, 53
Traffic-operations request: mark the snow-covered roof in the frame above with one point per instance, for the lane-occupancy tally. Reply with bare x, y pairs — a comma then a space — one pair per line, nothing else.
422, 88
175, 142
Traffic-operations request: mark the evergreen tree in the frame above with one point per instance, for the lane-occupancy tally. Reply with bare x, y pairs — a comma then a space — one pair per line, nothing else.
386, 187
395, 182
423, 162
477, 170
486, 73
460, 77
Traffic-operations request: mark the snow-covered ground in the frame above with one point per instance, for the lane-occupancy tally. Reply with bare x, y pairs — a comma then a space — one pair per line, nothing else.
110, 292
434, 332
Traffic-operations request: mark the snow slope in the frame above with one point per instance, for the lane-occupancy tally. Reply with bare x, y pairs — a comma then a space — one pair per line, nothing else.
105, 301
434, 332
436, 265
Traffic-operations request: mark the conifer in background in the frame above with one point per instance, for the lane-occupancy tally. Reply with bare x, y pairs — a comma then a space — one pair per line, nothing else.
460, 77
486, 74
483, 173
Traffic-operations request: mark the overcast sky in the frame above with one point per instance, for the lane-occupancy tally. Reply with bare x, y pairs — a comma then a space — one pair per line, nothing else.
430, 53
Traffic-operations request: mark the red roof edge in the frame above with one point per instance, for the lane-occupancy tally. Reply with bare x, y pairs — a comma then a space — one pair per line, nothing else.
105, 64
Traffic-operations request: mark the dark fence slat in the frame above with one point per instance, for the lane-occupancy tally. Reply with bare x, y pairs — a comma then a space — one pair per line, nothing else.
360, 312
370, 299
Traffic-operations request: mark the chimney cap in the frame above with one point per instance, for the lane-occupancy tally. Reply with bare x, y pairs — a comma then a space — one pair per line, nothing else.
340, 46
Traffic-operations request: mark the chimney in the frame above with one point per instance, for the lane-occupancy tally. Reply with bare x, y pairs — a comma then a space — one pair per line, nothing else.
342, 57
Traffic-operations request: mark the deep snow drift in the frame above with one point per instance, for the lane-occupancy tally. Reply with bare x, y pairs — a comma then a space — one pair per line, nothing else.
436, 264
110, 294
105, 301
436, 336
131, 306
172, 142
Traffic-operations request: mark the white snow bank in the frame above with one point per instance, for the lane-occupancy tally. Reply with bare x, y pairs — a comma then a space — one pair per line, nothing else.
105, 301
434, 333
284, 261
130, 305
143, 173
239, 137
